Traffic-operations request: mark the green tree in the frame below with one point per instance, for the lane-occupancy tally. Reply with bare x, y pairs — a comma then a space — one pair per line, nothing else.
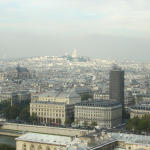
3, 106
25, 114
139, 125
126, 115
85, 123
11, 112
33, 118
94, 123
6, 147
68, 121
86, 96
58, 121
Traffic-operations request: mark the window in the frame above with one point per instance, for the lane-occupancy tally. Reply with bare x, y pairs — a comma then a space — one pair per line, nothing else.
32, 147
47, 148
24, 147
39, 147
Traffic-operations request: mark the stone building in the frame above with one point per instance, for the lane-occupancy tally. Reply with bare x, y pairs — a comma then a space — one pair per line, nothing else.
36, 141
105, 114
140, 110
98, 96
19, 73
131, 141
116, 141
109, 141
52, 112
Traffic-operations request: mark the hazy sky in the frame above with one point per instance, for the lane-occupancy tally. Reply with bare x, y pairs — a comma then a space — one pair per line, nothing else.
117, 29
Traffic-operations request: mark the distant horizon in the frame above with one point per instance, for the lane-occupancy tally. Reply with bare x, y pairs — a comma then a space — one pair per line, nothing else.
108, 59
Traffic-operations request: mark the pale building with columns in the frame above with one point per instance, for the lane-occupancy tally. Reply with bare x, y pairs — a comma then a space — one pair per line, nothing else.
104, 113
140, 110
52, 112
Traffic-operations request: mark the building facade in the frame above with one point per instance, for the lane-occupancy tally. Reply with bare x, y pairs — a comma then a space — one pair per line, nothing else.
140, 110
98, 96
104, 114
52, 112
36, 141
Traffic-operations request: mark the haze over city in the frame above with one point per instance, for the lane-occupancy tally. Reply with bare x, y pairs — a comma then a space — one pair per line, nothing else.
103, 29
74, 75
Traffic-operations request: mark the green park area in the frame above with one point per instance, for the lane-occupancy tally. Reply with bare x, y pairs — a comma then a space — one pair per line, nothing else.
139, 125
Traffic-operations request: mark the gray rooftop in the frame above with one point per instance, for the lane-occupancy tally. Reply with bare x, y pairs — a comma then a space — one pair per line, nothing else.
99, 103
47, 102
132, 138
60, 94
45, 138
141, 107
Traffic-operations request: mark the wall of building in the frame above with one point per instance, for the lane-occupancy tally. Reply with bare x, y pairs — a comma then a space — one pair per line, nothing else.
20, 145
137, 147
49, 113
138, 113
103, 116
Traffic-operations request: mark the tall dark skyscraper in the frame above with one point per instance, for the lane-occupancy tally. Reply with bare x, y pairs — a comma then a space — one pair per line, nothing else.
116, 85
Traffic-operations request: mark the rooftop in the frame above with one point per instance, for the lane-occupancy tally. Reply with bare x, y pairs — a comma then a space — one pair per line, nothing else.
99, 103
60, 94
47, 102
141, 107
45, 138
132, 138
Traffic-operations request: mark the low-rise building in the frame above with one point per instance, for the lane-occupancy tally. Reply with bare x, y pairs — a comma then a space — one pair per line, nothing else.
36, 141
104, 114
108, 141
131, 141
116, 141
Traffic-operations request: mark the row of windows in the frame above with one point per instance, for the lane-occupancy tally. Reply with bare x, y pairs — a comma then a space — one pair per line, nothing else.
46, 114
92, 115
92, 108
47, 106
32, 147
50, 110
91, 112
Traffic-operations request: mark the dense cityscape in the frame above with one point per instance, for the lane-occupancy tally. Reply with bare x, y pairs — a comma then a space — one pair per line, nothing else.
74, 102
